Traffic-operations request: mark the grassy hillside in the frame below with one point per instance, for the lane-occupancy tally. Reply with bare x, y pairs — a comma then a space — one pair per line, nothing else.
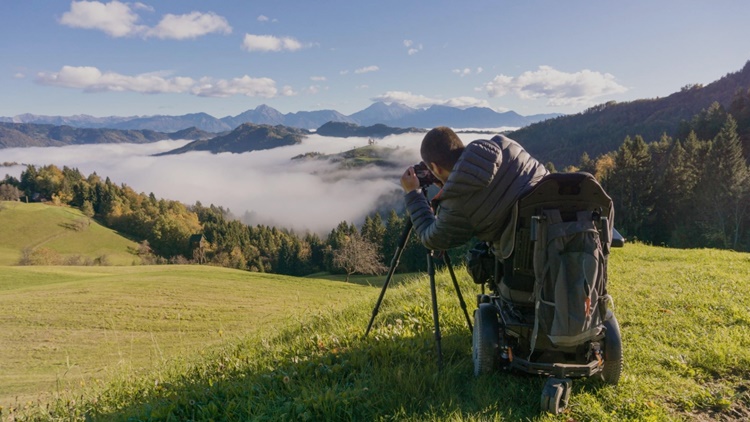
684, 318
65, 327
43, 226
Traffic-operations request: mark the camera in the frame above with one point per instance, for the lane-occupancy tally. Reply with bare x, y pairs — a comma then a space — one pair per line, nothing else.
425, 176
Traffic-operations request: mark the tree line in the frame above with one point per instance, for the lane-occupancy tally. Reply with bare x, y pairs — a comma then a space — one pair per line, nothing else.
164, 228
689, 191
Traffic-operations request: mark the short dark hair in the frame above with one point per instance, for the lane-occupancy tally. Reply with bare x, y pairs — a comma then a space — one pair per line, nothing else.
441, 146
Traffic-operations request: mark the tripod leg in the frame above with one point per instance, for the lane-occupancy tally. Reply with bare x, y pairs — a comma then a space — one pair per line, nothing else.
433, 290
394, 263
447, 260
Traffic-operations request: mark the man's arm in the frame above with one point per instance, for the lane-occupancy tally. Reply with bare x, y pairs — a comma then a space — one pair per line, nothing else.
448, 230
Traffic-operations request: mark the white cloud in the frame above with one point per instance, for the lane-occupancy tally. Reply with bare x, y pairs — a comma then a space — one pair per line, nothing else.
192, 25
287, 91
118, 19
250, 87
344, 72
467, 71
114, 18
421, 101
270, 43
462, 72
91, 79
318, 78
464, 102
367, 69
264, 18
141, 6
19, 75
560, 88
412, 48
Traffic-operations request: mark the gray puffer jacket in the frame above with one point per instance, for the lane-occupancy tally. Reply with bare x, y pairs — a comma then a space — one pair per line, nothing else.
478, 197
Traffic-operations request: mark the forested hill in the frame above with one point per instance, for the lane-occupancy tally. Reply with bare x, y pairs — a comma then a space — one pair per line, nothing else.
246, 137
13, 135
603, 128
343, 130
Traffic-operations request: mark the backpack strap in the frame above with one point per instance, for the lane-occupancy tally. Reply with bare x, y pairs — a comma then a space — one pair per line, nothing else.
539, 227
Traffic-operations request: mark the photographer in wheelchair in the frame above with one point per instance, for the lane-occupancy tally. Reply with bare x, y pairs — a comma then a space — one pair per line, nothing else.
481, 182
548, 238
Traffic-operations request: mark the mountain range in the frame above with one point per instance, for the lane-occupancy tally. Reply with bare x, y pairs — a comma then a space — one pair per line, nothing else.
14, 135
394, 114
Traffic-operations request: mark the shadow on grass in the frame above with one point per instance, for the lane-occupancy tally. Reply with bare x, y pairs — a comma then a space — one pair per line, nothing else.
384, 377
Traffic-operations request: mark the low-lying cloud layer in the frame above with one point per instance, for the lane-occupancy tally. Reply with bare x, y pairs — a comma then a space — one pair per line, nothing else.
300, 194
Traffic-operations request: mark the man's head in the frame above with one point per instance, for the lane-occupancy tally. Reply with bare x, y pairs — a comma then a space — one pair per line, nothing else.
441, 147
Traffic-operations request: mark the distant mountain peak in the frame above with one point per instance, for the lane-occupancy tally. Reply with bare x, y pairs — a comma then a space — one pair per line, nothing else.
264, 108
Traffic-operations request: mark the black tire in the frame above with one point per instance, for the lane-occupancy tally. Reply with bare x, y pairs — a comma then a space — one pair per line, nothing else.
485, 339
552, 397
612, 352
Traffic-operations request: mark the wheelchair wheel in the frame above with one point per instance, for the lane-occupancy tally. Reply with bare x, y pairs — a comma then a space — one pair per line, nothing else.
485, 339
612, 352
556, 395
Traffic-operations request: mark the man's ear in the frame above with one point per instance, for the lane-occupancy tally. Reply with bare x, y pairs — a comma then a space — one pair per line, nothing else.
439, 172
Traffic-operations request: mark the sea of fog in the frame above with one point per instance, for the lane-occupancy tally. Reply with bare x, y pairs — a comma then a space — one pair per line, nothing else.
268, 185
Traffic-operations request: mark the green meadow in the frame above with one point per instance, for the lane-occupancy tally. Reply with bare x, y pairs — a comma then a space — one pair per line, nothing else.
63, 230
205, 343
65, 327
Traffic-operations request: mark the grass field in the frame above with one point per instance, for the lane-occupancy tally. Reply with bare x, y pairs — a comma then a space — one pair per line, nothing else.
38, 225
64, 327
204, 343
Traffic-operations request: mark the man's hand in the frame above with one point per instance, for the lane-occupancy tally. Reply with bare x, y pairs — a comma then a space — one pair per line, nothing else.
409, 180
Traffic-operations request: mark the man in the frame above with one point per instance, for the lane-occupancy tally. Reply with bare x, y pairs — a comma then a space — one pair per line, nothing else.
481, 183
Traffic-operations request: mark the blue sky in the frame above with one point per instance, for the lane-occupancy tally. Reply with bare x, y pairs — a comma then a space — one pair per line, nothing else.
224, 57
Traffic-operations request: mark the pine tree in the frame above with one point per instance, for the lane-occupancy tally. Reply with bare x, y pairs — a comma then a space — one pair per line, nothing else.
586, 164
725, 188
373, 230
393, 228
631, 186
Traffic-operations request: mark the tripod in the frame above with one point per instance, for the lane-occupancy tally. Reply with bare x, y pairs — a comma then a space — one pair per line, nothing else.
431, 271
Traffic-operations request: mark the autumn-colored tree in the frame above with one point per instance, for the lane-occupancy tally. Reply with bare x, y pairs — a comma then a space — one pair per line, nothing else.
358, 256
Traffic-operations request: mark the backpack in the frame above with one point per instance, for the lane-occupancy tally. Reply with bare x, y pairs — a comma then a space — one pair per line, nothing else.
570, 270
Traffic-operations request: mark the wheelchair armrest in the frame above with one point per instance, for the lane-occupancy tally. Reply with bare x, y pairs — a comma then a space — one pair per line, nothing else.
617, 240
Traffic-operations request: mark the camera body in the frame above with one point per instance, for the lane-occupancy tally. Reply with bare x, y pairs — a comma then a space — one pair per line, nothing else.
425, 176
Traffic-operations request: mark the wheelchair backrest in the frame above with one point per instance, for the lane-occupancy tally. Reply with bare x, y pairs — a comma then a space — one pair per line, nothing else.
569, 193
